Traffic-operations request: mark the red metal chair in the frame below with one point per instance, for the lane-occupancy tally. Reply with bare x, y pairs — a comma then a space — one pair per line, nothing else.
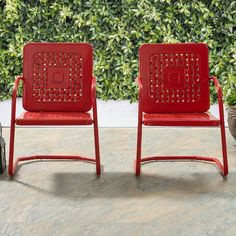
58, 89
174, 91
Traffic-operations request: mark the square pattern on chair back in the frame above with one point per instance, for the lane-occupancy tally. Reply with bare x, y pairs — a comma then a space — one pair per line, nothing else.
175, 77
57, 76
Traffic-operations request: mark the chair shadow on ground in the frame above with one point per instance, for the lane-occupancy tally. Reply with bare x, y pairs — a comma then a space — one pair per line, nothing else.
86, 185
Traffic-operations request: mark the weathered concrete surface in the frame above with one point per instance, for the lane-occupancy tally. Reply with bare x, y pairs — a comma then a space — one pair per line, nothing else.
66, 198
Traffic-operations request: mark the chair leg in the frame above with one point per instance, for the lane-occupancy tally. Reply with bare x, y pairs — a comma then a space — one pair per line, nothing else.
224, 149
139, 145
11, 150
97, 150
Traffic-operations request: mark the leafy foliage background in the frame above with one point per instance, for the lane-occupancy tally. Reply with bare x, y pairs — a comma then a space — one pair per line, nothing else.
117, 28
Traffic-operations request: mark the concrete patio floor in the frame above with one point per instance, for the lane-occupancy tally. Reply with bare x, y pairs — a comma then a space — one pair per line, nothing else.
170, 198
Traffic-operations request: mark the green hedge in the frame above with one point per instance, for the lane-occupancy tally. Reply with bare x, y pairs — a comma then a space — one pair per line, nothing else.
116, 29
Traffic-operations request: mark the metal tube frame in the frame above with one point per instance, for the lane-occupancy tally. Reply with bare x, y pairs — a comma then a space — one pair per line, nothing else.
223, 167
13, 164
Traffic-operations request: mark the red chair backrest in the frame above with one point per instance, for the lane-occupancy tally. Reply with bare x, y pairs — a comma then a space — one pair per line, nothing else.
57, 76
175, 77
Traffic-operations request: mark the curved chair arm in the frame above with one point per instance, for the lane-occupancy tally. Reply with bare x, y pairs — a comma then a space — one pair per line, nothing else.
140, 86
94, 99
14, 95
93, 90
219, 96
217, 87
140, 95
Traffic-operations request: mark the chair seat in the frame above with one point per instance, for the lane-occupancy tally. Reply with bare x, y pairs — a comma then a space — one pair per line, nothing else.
180, 119
54, 118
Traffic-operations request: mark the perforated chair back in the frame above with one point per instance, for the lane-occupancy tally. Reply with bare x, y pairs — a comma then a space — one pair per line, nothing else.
175, 77
57, 76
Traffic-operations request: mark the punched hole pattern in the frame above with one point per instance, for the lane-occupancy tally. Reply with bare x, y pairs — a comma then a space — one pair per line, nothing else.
161, 91
71, 87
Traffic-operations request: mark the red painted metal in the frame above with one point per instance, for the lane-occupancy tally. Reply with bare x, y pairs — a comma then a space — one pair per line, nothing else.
54, 118
174, 91
174, 77
222, 123
180, 119
59, 89
57, 76
51, 157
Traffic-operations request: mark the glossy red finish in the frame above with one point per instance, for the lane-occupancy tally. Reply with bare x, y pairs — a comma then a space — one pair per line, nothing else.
59, 89
186, 158
57, 76
54, 118
180, 119
174, 77
174, 91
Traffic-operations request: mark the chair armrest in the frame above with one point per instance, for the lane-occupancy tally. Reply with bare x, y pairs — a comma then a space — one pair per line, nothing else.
93, 90
16, 84
217, 88
94, 100
140, 94
219, 97
140, 86
14, 95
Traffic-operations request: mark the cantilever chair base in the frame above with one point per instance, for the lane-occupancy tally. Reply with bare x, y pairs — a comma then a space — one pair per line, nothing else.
212, 160
13, 169
87, 120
